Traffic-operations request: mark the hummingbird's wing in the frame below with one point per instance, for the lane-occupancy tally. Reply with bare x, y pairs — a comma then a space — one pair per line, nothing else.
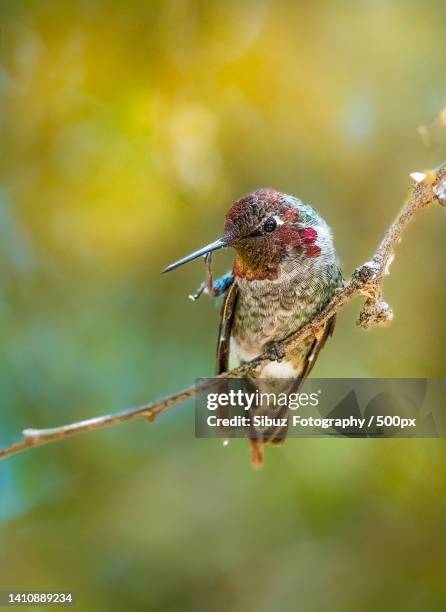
278, 435
224, 332
316, 347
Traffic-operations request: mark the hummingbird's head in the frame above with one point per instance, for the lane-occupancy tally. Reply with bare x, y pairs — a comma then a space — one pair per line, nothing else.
264, 227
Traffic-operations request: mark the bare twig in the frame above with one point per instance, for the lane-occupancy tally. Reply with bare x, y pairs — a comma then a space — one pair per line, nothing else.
428, 188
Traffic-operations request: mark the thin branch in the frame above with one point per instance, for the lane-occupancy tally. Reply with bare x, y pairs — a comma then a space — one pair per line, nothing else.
428, 189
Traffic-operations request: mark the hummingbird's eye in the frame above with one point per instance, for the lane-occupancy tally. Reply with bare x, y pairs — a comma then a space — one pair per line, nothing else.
270, 225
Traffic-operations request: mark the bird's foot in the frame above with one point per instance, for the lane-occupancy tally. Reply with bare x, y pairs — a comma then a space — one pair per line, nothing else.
276, 351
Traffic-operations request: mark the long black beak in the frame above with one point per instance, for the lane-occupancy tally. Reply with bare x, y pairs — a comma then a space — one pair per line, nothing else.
218, 244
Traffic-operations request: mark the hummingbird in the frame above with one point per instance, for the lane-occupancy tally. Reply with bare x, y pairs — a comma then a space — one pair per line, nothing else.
284, 273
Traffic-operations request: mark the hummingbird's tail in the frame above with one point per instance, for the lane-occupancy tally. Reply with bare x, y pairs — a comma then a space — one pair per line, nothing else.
257, 454
277, 434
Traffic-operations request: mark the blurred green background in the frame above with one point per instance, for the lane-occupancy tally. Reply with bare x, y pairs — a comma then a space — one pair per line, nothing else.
127, 129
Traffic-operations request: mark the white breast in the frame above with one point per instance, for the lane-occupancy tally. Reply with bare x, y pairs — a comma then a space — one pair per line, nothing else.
274, 369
